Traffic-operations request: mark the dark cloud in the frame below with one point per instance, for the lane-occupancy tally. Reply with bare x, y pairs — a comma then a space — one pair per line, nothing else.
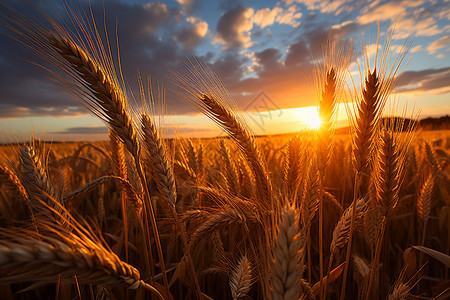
190, 37
139, 28
413, 77
14, 111
84, 130
233, 27
424, 80
229, 67
22, 84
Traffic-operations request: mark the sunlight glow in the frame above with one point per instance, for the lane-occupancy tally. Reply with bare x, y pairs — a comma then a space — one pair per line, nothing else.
312, 121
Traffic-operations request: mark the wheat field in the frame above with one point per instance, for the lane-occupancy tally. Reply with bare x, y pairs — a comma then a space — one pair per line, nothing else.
311, 215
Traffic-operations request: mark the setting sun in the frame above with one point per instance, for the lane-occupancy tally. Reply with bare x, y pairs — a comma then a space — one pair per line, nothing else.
313, 121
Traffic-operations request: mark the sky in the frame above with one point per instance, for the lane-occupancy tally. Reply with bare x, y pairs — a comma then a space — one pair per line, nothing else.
264, 52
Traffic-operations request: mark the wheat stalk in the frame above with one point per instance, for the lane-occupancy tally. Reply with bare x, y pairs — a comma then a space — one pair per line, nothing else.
132, 197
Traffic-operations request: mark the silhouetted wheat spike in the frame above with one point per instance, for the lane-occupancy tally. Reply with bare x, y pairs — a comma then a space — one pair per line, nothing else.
424, 200
369, 111
293, 167
388, 173
232, 126
327, 110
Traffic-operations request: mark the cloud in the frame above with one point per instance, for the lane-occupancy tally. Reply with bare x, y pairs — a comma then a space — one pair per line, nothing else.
191, 36
229, 67
190, 6
10, 111
327, 6
290, 17
155, 35
439, 44
234, 26
84, 130
268, 59
407, 17
416, 49
267, 17
430, 80
25, 91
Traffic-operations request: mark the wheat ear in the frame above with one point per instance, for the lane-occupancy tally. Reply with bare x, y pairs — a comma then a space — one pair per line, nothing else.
292, 167
226, 119
327, 114
24, 260
102, 95
387, 185
162, 170
369, 110
341, 232
286, 267
400, 292
120, 169
165, 182
35, 179
424, 200
132, 197
12, 182
241, 279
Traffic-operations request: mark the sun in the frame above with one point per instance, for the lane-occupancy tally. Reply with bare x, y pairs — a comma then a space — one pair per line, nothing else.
312, 121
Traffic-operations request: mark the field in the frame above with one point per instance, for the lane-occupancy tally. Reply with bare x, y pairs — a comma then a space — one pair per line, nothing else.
73, 215
311, 215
